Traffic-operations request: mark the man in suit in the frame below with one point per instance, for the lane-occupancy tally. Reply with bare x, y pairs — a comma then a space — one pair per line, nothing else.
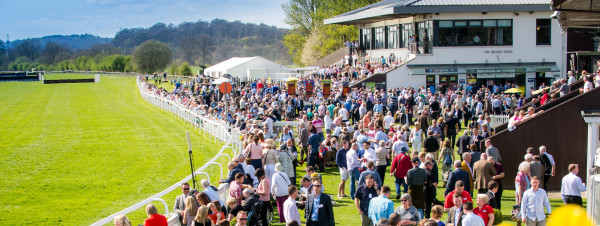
483, 171
491, 194
319, 210
466, 166
492, 151
476, 138
463, 143
456, 175
180, 200
455, 213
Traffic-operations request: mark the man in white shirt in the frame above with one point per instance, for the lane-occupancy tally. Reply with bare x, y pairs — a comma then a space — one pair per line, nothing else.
572, 186
398, 145
388, 120
571, 77
532, 204
352, 164
470, 219
290, 210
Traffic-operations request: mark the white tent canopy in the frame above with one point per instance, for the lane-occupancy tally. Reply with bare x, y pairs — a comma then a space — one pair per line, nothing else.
248, 68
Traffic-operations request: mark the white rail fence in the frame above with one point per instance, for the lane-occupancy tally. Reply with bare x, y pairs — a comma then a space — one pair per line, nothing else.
215, 130
498, 120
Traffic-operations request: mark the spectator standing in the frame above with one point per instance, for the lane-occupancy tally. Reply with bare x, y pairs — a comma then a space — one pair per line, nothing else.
483, 171
180, 200
446, 157
430, 187
304, 135
416, 178
466, 166
498, 179
522, 181
363, 197
342, 164
484, 210
399, 169
353, 164
314, 142
290, 210
370, 171
455, 213
491, 194
431, 145
319, 211
264, 190
457, 175
463, 143
279, 187
381, 207
241, 218
190, 211
383, 156
269, 157
548, 165
408, 213
460, 189
470, 219
572, 186
535, 167
492, 151
154, 219
532, 204
211, 191
286, 159
255, 151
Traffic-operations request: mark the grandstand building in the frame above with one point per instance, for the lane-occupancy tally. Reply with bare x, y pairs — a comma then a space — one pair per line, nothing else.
477, 42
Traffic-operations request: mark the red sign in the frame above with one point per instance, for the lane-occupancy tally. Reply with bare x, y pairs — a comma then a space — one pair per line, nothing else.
326, 88
309, 88
225, 87
291, 88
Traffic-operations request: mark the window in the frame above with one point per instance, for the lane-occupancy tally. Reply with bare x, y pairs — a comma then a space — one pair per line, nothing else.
542, 31
393, 39
366, 38
425, 34
474, 32
380, 38
407, 31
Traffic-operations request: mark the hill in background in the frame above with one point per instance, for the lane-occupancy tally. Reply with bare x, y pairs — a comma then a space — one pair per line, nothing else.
75, 42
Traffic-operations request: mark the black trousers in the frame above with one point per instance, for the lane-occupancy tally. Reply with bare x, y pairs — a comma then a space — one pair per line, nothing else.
499, 195
381, 171
429, 197
313, 159
573, 199
482, 191
452, 137
546, 178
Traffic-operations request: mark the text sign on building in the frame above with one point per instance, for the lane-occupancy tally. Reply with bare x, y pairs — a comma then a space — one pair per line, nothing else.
438, 70
498, 51
496, 75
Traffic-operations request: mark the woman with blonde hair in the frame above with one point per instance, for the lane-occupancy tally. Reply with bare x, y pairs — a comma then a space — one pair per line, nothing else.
202, 217
190, 210
255, 152
121, 220
484, 210
416, 137
270, 157
446, 158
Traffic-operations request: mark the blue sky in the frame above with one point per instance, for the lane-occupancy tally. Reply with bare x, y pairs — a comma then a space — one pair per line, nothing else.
23, 19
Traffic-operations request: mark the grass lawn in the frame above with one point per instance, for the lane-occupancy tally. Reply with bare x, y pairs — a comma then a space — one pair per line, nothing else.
68, 76
73, 154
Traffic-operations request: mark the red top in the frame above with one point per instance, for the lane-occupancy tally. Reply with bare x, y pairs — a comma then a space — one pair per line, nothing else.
213, 217
401, 165
449, 202
483, 212
156, 220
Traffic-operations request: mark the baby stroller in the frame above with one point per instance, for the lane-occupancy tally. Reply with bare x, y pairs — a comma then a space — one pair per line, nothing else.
255, 214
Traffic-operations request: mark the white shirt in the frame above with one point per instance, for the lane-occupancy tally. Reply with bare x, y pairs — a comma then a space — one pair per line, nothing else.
213, 195
397, 146
533, 203
352, 160
387, 121
280, 182
572, 185
290, 211
472, 220
370, 155
344, 113
327, 122
587, 86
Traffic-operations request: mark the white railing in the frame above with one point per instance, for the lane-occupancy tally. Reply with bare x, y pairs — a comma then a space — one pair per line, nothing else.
216, 130
593, 197
498, 120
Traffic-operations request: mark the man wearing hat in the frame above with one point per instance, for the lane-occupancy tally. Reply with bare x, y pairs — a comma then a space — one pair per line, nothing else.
571, 77
416, 178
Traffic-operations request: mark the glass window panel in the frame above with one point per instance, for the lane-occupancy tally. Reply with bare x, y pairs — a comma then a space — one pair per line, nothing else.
460, 23
393, 37
489, 23
504, 23
446, 23
475, 23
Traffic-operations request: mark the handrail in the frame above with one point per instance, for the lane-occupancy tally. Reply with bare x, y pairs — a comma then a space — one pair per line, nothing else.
221, 132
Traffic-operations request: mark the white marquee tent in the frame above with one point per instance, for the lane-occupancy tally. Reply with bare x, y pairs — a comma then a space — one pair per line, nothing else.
247, 68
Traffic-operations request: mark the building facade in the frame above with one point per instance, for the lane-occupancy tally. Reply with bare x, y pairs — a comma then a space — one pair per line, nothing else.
460, 43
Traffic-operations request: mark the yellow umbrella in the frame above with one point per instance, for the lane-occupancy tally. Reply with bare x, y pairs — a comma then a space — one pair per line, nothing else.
293, 79
513, 90
539, 91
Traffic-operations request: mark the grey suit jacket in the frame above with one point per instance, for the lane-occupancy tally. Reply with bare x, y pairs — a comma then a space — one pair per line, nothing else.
493, 151
451, 214
179, 204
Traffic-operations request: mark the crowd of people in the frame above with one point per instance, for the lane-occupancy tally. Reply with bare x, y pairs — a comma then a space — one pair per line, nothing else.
406, 133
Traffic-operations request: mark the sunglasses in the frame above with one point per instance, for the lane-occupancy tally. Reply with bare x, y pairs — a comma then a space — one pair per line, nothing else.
243, 219
402, 200
186, 189
316, 185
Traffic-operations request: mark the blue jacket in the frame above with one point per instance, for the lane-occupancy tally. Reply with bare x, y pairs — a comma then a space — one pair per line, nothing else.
457, 175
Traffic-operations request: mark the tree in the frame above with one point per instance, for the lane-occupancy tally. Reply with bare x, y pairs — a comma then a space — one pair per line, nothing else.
207, 46
174, 69
151, 56
189, 48
185, 69
27, 48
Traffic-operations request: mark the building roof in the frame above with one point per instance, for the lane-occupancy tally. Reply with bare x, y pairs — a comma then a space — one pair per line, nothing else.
406, 8
332, 58
231, 63
577, 13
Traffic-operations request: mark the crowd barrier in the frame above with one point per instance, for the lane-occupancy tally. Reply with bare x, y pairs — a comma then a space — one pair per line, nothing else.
498, 120
215, 130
